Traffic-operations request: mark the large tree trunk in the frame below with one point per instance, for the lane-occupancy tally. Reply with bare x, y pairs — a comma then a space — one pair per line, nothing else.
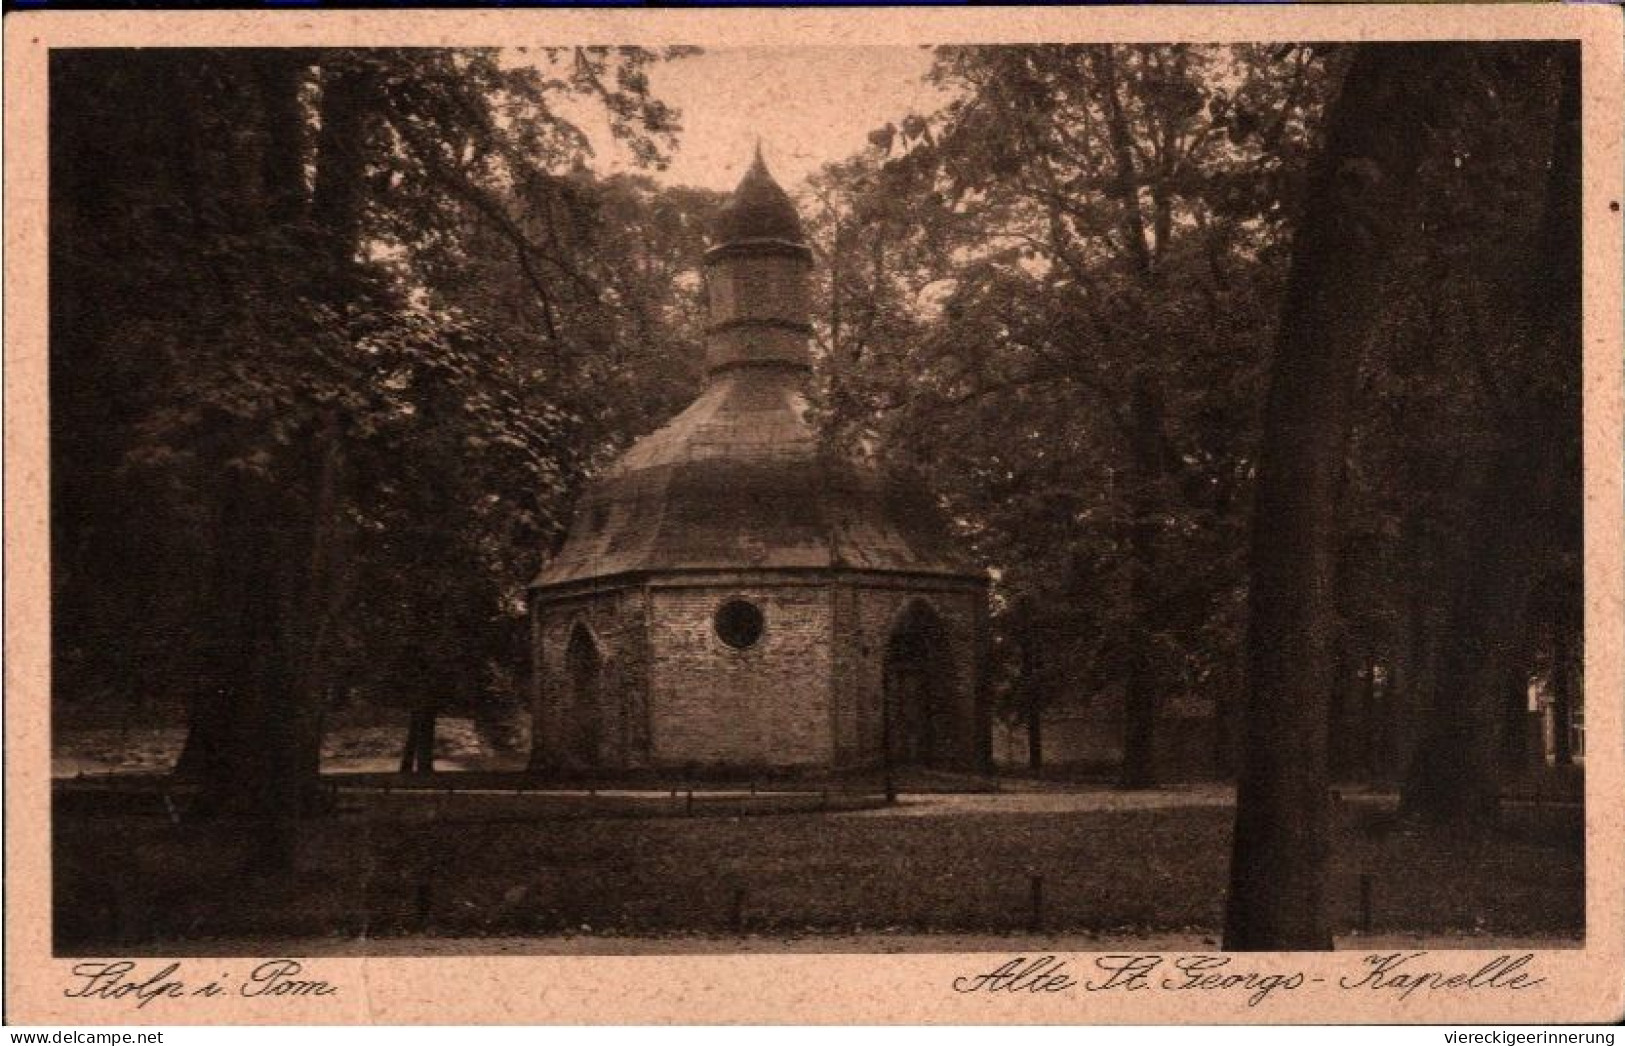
1518, 750
283, 544
1454, 776
245, 733
1371, 720
1562, 682
253, 768
1139, 766
1148, 450
1034, 704
1035, 735
1415, 677
1455, 772
1361, 199
418, 755
1339, 715
1224, 735
268, 194
336, 204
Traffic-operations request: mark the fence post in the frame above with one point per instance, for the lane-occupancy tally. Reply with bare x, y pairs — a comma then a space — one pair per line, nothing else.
1035, 915
1365, 902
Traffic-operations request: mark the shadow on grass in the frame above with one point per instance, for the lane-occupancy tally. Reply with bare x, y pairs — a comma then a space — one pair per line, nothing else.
500, 865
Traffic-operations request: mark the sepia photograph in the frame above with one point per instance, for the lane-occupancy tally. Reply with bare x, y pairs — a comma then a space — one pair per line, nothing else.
849, 498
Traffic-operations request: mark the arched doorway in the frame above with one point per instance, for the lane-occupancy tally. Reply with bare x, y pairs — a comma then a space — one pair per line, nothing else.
583, 668
917, 713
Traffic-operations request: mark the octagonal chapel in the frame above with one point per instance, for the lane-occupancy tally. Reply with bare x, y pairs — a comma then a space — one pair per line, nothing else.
731, 594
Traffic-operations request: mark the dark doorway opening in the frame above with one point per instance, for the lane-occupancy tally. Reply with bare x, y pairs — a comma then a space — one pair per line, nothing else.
917, 711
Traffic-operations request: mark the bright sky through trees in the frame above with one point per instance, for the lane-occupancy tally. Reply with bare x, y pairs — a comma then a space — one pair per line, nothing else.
810, 106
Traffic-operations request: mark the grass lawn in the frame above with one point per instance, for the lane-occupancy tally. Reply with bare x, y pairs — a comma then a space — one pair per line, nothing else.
498, 865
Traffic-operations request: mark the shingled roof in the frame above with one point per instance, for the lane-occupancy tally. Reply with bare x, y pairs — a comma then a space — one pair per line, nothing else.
740, 480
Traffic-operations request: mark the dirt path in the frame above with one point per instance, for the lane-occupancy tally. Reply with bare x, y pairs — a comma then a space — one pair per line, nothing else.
950, 805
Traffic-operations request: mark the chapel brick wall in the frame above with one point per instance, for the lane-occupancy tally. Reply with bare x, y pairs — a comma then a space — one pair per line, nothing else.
848, 653
866, 618
616, 622
768, 704
807, 693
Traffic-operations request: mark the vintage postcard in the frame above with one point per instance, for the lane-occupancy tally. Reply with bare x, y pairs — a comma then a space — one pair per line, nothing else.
814, 516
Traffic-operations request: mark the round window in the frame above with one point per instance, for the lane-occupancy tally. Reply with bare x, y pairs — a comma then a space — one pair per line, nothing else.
738, 623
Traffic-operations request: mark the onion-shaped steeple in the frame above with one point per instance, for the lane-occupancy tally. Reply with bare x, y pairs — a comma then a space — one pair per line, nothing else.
758, 215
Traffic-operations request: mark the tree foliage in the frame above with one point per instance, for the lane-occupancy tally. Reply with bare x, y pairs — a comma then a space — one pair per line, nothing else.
1055, 298
336, 335
1054, 294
